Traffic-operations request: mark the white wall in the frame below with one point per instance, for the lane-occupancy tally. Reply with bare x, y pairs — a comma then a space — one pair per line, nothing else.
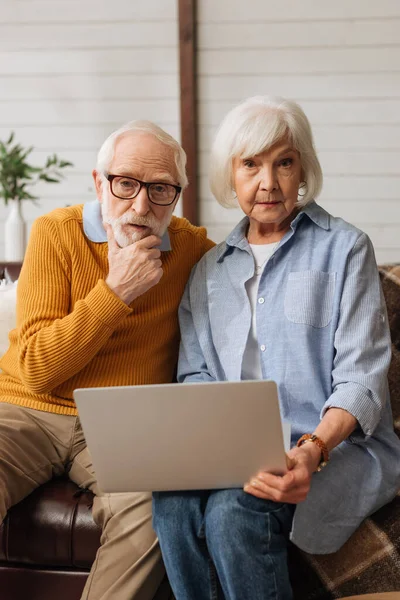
72, 71
341, 61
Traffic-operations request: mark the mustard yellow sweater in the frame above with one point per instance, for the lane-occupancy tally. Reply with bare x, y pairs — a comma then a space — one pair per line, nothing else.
73, 331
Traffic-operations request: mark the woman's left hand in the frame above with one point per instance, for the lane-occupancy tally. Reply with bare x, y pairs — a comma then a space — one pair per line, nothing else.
292, 487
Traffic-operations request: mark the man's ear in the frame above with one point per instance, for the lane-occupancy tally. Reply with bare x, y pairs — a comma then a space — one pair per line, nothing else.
175, 203
98, 183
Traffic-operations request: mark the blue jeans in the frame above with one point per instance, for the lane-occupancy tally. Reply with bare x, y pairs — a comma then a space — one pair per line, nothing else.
223, 544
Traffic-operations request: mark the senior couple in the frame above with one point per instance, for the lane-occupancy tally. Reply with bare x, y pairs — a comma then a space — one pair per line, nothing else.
291, 295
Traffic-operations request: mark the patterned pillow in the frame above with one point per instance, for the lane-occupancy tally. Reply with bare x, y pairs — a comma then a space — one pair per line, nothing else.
370, 561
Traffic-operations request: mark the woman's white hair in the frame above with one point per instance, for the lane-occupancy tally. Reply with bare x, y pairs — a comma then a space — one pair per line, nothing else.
253, 127
106, 152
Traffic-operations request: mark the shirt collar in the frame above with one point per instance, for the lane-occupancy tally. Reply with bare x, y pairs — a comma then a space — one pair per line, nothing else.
95, 232
314, 212
237, 237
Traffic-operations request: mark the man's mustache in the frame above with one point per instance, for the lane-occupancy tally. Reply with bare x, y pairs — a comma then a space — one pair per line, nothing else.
129, 220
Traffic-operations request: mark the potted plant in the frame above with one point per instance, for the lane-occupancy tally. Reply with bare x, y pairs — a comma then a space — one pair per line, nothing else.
17, 178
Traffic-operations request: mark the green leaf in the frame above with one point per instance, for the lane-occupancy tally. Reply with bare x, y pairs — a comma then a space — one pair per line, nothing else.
25, 154
45, 177
28, 196
16, 173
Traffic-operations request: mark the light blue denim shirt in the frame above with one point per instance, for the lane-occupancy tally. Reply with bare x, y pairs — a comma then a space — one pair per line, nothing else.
323, 338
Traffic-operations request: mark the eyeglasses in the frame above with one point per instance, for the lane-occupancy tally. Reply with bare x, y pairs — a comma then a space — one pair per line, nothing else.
127, 188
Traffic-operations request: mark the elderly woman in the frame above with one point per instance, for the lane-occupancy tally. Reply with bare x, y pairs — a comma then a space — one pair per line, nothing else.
292, 295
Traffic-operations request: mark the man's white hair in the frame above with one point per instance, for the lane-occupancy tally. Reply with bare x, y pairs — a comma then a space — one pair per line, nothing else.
253, 127
106, 152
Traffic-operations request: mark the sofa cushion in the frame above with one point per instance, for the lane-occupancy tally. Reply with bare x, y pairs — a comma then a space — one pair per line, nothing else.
8, 298
367, 563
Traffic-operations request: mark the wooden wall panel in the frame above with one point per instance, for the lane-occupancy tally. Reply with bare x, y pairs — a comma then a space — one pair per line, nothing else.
188, 102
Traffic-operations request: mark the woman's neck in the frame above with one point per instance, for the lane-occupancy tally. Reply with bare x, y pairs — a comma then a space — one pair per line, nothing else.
268, 233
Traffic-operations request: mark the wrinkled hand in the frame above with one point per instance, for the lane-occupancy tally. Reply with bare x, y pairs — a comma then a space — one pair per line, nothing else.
292, 487
135, 269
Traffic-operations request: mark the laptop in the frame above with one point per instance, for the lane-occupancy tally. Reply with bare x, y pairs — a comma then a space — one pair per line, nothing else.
182, 436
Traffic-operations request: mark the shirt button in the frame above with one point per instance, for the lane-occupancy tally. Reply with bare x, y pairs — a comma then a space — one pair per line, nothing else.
262, 348
261, 301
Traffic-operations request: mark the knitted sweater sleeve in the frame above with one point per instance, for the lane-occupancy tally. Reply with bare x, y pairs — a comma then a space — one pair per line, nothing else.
57, 340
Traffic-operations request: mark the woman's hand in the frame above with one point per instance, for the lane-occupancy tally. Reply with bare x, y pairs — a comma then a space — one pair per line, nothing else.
292, 487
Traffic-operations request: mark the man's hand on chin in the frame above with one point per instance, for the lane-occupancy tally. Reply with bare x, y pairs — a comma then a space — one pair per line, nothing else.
134, 269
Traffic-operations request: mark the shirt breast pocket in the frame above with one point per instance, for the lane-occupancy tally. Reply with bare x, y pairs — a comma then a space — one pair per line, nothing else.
309, 297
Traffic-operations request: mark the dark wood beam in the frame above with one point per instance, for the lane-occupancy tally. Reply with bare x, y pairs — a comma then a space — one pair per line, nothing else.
188, 103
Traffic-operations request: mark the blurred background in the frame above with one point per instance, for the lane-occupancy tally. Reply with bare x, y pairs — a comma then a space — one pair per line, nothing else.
73, 71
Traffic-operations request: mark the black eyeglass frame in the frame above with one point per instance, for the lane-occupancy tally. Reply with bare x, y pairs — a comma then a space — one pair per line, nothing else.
145, 184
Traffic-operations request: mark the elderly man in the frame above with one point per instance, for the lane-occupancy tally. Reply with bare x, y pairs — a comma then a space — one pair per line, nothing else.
97, 306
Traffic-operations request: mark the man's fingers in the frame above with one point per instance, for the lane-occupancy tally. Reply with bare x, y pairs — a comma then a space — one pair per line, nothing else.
148, 242
153, 253
112, 243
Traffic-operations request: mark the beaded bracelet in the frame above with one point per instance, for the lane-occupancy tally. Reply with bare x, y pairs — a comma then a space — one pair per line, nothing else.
311, 437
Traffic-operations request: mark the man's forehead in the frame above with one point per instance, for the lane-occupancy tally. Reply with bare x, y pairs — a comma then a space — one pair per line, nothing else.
141, 143
143, 150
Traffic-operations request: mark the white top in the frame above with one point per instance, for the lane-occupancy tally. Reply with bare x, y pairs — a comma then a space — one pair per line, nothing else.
251, 365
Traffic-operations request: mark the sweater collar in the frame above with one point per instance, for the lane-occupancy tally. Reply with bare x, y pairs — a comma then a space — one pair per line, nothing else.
95, 232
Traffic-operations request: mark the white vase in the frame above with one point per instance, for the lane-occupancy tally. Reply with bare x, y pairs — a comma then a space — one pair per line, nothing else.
15, 233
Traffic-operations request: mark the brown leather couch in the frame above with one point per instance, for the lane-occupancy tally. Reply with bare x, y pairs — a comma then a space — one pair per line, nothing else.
48, 543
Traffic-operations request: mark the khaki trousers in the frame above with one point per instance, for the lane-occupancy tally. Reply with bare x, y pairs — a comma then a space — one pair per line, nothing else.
36, 445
